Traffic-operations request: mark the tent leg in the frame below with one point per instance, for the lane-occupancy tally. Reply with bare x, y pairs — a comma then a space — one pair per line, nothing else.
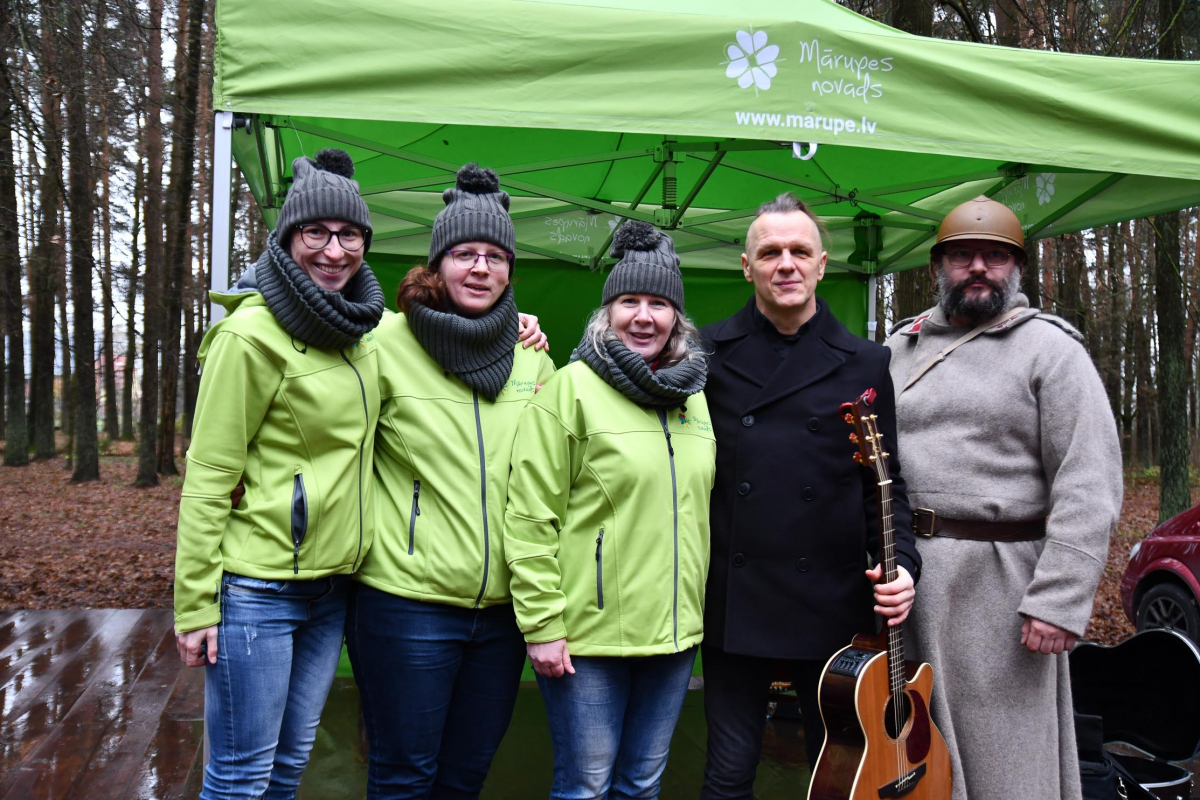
221, 234
871, 324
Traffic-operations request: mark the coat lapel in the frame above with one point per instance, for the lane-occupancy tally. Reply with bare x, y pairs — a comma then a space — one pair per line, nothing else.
819, 352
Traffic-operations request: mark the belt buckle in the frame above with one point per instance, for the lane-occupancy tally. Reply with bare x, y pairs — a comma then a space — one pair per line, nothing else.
932, 522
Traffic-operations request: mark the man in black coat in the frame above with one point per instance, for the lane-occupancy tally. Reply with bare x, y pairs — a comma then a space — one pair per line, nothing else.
793, 516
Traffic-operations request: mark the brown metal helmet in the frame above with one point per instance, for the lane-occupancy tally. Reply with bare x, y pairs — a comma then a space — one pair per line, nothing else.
982, 218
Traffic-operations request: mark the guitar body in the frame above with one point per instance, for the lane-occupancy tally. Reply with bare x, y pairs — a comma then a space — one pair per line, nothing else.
860, 759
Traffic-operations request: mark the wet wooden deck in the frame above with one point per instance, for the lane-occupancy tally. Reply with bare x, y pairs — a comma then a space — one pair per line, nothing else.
96, 705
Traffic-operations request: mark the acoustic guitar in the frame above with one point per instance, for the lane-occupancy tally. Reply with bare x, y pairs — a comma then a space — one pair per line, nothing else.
879, 739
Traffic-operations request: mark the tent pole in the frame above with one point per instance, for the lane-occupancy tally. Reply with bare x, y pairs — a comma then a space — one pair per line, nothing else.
871, 324
222, 178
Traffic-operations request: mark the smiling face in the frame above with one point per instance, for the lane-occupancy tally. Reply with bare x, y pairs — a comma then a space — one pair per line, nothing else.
785, 262
643, 323
473, 288
330, 267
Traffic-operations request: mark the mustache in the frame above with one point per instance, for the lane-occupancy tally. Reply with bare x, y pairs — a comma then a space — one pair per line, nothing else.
961, 286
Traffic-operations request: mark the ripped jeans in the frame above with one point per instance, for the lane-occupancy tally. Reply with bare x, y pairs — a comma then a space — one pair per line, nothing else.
278, 646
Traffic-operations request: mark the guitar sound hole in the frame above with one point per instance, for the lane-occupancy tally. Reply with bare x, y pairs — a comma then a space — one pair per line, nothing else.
891, 724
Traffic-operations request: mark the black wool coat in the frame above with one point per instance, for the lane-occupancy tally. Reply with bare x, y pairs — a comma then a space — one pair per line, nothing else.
793, 517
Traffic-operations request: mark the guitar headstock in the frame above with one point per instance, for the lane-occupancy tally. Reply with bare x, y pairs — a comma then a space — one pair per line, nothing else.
866, 436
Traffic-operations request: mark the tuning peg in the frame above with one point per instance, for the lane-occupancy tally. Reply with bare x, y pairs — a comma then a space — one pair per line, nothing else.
885, 455
854, 438
849, 418
858, 458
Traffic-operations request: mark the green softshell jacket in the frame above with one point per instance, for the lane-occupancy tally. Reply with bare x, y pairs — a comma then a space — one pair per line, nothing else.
606, 530
296, 424
441, 467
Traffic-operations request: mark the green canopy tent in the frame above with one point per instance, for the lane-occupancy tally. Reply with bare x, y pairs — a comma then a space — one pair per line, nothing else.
689, 114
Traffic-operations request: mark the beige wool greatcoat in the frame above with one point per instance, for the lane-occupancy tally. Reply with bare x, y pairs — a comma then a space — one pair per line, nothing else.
1012, 425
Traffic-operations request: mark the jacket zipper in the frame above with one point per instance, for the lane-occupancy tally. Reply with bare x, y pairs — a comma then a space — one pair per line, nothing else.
367, 424
600, 570
299, 518
482, 499
662, 418
412, 517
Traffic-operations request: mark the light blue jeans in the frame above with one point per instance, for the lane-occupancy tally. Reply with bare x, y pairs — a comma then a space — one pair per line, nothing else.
611, 724
277, 651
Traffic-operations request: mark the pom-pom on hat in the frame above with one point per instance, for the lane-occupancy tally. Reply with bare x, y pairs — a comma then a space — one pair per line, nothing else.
476, 211
648, 265
324, 188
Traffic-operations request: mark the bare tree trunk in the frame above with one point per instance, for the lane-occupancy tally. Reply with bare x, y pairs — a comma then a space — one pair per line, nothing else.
131, 284
1031, 276
1174, 494
16, 433
43, 265
151, 283
87, 445
66, 418
178, 213
112, 420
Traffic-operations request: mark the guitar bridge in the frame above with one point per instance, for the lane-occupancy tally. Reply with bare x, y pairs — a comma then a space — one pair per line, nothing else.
904, 784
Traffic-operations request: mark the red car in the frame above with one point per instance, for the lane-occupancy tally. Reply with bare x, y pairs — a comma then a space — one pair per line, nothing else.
1161, 586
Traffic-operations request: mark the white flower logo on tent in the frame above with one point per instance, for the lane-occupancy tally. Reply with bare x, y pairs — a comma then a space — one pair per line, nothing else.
1045, 187
752, 60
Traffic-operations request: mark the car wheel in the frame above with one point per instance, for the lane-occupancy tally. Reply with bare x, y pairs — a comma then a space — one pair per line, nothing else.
1169, 605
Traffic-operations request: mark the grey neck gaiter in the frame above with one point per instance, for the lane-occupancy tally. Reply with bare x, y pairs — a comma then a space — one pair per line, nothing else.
629, 374
477, 350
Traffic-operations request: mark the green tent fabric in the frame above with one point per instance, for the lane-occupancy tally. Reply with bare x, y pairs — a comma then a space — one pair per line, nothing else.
685, 114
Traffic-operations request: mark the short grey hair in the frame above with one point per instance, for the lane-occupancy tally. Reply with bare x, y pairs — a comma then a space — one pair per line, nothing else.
788, 203
682, 345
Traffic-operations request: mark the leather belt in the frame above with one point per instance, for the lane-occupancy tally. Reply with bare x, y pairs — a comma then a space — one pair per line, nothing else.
927, 523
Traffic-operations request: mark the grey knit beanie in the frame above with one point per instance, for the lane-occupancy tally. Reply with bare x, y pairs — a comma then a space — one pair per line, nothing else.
324, 189
476, 211
648, 265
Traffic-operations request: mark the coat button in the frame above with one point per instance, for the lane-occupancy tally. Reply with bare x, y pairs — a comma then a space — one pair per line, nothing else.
809, 493
738, 559
743, 489
813, 423
802, 564
748, 420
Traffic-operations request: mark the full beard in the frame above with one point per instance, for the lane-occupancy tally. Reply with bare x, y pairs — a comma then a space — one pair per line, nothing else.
957, 303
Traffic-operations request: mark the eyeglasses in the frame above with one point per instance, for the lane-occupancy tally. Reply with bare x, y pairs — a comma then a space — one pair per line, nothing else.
993, 257
317, 237
468, 258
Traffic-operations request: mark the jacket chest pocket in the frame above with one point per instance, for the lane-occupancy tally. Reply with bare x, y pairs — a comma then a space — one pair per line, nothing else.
412, 516
299, 517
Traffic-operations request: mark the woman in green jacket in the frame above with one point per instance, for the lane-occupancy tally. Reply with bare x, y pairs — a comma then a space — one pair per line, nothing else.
431, 633
606, 529
288, 403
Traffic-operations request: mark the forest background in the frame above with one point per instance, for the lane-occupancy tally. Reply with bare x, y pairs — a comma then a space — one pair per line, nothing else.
106, 152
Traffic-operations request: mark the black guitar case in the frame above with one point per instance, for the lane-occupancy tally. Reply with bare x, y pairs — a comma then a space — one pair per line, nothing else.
1145, 693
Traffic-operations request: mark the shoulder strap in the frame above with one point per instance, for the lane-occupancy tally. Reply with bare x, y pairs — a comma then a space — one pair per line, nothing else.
947, 350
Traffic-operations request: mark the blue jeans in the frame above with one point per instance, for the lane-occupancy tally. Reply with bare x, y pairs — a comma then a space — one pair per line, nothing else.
611, 724
278, 646
438, 684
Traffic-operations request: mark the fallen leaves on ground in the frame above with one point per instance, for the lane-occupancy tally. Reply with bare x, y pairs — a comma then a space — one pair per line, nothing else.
106, 544
100, 544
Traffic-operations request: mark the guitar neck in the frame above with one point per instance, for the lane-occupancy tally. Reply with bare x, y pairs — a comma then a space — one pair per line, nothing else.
887, 551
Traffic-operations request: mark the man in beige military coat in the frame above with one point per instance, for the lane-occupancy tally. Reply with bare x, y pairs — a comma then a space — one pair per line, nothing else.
1008, 439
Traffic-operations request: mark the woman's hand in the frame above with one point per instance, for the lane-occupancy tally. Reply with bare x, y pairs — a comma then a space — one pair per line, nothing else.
189, 646
550, 659
893, 600
530, 333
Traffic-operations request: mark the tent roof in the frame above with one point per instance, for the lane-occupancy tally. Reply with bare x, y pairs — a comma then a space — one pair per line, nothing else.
583, 106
